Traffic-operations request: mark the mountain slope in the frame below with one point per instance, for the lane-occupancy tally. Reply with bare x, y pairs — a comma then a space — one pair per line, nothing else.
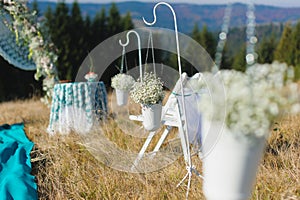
189, 14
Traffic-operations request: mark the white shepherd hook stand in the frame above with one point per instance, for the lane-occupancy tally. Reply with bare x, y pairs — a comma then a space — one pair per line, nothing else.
139, 47
190, 168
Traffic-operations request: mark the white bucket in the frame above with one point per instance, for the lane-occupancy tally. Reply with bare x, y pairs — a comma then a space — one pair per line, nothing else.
230, 167
122, 97
152, 116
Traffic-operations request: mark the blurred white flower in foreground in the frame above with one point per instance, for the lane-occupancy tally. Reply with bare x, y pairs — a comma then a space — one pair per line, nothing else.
253, 100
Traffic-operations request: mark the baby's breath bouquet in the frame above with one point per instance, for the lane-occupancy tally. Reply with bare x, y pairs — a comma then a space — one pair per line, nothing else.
238, 112
252, 100
149, 91
122, 82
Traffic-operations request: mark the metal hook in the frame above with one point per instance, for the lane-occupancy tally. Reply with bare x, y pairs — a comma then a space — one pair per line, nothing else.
188, 160
175, 26
139, 47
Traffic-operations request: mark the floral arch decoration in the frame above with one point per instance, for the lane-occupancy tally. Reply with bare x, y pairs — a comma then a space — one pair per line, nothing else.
21, 24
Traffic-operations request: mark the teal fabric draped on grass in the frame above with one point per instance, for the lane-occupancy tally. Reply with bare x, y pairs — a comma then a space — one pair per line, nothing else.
16, 182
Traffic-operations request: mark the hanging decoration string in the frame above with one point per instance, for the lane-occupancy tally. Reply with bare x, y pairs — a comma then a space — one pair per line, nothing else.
126, 65
222, 38
124, 60
251, 39
150, 43
251, 42
139, 49
251, 56
152, 49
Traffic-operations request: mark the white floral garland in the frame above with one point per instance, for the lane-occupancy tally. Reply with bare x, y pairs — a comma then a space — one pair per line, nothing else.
41, 51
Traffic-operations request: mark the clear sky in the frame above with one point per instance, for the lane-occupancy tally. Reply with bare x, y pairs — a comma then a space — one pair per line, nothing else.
281, 3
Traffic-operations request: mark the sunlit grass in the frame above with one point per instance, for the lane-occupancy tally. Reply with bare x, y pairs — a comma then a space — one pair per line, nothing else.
65, 169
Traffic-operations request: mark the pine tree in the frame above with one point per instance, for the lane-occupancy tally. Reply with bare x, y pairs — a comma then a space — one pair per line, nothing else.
127, 22
88, 33
284, 49
205, 38
208, 41
296, 45
48, 24
191, 51
114, 20
226, 62
99, 28
266, 50
239, 62
196, 34
76, 19
60, 36
77, 44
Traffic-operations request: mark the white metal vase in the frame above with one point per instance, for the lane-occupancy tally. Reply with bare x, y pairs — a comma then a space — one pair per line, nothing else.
122, 97
151, 116
230, 167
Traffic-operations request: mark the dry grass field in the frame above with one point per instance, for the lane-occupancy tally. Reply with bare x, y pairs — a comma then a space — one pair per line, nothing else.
64, 169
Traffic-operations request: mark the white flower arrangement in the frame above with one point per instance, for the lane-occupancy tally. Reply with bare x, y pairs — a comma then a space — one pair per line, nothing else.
149, 91
253, 100
122, 82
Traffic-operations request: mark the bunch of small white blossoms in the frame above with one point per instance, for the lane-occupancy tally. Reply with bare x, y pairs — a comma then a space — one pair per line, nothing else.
122, 82
252, 100
7, 1
280, 77
149, 91
277, 74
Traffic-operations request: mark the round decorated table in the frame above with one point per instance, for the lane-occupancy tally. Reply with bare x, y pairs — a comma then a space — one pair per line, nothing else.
77, 107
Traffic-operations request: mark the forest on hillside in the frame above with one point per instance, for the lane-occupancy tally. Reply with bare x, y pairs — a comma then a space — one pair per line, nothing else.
75, 36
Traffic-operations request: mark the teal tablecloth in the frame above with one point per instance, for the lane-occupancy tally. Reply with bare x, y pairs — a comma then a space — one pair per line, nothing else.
77, 107
16, 182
